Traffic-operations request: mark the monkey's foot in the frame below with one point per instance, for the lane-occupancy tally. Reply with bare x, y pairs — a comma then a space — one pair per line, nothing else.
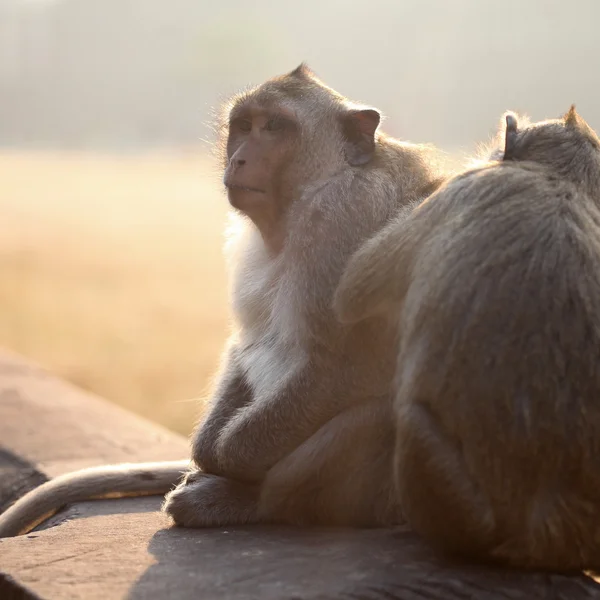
203, 500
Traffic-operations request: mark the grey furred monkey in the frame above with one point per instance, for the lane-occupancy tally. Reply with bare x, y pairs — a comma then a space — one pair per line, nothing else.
300, 425
495, 282
105, 481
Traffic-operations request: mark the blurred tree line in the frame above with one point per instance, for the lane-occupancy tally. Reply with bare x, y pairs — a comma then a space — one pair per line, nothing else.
134, 73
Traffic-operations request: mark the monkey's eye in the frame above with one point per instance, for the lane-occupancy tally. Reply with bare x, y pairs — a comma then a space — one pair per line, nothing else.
275, 124
243, 125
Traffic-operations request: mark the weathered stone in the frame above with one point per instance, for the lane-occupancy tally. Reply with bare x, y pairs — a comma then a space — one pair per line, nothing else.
55, 427
17, 477
127, 549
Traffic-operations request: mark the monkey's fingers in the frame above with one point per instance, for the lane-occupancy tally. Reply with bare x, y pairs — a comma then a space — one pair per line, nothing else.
107, 481
212, 501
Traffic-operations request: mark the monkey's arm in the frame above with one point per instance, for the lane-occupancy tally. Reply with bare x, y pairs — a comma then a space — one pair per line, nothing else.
268, 429
264, 432
377, 275
107, 481
231, 394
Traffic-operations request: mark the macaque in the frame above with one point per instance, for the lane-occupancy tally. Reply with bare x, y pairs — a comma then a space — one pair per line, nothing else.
300, 426
494, 282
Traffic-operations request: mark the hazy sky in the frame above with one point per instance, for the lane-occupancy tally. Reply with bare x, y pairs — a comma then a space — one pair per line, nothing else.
121, 72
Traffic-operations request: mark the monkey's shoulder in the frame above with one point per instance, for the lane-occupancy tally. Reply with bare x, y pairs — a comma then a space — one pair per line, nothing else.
350, 208
504, 187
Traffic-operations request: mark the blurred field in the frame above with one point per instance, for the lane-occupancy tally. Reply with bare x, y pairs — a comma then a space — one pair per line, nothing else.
111, 274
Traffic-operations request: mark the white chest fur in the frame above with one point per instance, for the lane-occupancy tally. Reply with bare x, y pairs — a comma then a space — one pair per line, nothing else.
270, 326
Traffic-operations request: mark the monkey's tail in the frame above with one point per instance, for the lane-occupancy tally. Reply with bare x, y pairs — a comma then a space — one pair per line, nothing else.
106, 481
376, 277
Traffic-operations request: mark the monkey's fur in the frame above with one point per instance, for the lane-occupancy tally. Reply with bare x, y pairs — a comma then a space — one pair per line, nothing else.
106, 481
495, 281
300, 425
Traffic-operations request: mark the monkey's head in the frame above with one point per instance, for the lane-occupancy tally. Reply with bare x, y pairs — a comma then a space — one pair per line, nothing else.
568, 146
291, 132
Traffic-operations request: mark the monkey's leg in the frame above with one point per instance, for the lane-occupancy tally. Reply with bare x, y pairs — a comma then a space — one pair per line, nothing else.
210, 501
441, 499
342, 475
261, 434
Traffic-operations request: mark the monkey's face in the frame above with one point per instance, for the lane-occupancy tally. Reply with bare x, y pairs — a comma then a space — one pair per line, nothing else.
287, 134
260, 146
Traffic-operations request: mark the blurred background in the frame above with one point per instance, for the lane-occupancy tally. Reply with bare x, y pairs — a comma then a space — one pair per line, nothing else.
111, 209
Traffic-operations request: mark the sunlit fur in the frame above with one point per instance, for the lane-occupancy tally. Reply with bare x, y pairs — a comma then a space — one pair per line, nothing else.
302, 408
108, 481
495, 284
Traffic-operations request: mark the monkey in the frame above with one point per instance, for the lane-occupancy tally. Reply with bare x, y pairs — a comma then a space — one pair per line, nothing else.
299, 428
494, 284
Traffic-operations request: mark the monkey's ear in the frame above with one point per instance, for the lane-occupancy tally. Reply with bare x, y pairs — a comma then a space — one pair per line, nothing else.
510, 135
574, 121
302, 70
359, 127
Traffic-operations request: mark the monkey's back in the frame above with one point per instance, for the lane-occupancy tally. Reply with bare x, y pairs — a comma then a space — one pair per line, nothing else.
500, 365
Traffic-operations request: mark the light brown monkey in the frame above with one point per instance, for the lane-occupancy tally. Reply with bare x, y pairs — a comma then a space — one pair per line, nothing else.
300, 428
495, 280
105, 481
300, 424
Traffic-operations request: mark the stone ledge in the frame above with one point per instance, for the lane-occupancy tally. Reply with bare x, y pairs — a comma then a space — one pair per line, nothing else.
126, 549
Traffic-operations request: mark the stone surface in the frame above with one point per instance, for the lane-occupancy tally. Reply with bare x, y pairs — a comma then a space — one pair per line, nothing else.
126, 549
17, 477
56, 427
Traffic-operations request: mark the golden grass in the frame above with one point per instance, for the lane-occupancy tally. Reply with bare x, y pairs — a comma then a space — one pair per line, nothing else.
111, 274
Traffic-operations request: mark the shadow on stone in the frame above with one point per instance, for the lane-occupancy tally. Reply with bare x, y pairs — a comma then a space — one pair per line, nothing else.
17, 476
11, 590
301, 564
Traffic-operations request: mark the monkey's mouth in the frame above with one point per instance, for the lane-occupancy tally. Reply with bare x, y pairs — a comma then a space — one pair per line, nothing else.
243, 188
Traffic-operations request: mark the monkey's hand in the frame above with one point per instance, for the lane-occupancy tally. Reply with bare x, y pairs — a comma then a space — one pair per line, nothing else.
203, 500
262, 433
